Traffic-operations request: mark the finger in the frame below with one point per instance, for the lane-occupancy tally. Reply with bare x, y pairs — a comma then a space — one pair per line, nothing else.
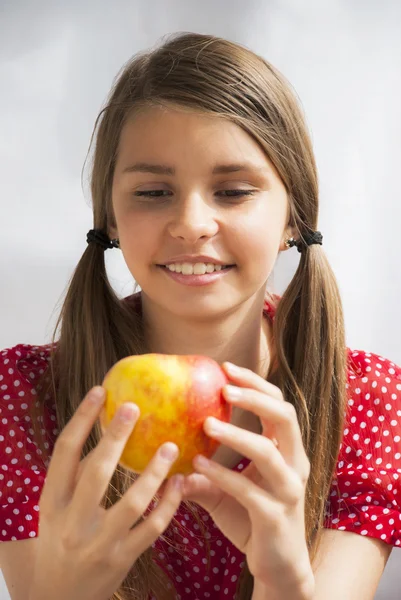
246, 377
222, 507
262, 452
64, 464
147, 532
96, 475
199, 489
274, 414
251, 496
126, 512
81, 467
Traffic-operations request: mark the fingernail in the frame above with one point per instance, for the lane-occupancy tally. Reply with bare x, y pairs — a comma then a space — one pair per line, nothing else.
201, 461
215, 425
233, 392
231, 368
127, 412
178, 482
97, 395
169, 451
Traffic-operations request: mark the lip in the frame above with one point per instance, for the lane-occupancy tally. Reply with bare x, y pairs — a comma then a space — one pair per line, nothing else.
196, 280
193, 259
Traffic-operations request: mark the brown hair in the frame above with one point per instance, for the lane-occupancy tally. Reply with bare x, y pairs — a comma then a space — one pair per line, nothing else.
205, 73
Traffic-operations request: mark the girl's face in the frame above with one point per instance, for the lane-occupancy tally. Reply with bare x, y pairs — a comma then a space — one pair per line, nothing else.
195, 211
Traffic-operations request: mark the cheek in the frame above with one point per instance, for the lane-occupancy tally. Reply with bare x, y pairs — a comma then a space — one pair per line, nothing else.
263, 251
259, 242
139, 237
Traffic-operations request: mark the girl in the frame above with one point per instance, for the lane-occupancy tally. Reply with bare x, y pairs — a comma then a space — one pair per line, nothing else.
203, 173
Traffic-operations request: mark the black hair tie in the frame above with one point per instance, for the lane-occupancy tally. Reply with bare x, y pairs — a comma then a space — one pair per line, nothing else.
314, 237
102, 239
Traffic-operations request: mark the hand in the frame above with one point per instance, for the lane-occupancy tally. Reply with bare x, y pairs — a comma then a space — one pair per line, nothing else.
261, 509
84, 551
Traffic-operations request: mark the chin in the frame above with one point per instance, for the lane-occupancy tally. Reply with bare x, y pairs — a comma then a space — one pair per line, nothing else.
201, 306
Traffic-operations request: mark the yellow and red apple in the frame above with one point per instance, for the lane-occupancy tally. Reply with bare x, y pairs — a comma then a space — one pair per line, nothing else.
175, 394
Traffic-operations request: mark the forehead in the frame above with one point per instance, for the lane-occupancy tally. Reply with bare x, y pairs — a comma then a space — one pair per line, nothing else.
175, 137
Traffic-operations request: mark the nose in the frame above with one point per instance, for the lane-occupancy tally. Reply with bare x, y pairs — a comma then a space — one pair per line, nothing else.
193, 219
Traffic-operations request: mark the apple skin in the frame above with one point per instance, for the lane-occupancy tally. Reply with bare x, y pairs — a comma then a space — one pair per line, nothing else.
175, 394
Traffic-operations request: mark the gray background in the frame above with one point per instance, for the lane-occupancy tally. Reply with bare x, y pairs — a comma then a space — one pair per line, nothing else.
57, 63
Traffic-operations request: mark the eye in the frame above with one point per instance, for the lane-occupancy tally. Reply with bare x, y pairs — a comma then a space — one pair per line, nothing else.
237, 193
150, 193
231, 193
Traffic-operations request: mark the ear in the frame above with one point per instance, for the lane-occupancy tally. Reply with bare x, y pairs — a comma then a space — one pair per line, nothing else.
288, 233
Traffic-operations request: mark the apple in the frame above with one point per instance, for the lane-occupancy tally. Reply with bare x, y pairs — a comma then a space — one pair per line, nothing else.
175, 394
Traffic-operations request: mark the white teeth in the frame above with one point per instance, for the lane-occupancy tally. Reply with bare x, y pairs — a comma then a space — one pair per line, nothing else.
199, 269
187, 269
193, 269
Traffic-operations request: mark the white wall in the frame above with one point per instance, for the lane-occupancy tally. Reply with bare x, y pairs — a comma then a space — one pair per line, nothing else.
57, 62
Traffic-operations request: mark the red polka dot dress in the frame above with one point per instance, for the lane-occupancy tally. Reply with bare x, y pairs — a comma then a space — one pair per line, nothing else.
365, 496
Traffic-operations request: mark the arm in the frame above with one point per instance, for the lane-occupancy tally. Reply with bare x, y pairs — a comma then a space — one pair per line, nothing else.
348, 566
303, 591
16, 563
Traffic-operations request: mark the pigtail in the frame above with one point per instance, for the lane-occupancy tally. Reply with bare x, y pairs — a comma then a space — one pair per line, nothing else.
311, 351
97, 330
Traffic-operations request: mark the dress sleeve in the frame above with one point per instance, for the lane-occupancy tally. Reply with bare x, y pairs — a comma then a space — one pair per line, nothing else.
22, 474
365, 496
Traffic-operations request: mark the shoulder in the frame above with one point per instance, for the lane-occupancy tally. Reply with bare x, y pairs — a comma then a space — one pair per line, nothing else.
365, 495
21, 368
374, 389
22, 364
22, 355
373, 415
21, 471
371, 366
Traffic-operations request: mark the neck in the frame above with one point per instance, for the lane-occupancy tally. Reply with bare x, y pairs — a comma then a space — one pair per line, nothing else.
243, 337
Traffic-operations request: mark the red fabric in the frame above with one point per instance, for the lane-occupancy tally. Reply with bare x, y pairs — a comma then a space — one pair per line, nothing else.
365, 496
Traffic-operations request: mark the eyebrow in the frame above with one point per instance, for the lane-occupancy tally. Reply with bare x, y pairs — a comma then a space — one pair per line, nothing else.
143, 167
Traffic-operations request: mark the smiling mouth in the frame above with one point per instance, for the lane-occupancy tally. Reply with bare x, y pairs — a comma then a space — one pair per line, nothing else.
197, 277
222, 269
